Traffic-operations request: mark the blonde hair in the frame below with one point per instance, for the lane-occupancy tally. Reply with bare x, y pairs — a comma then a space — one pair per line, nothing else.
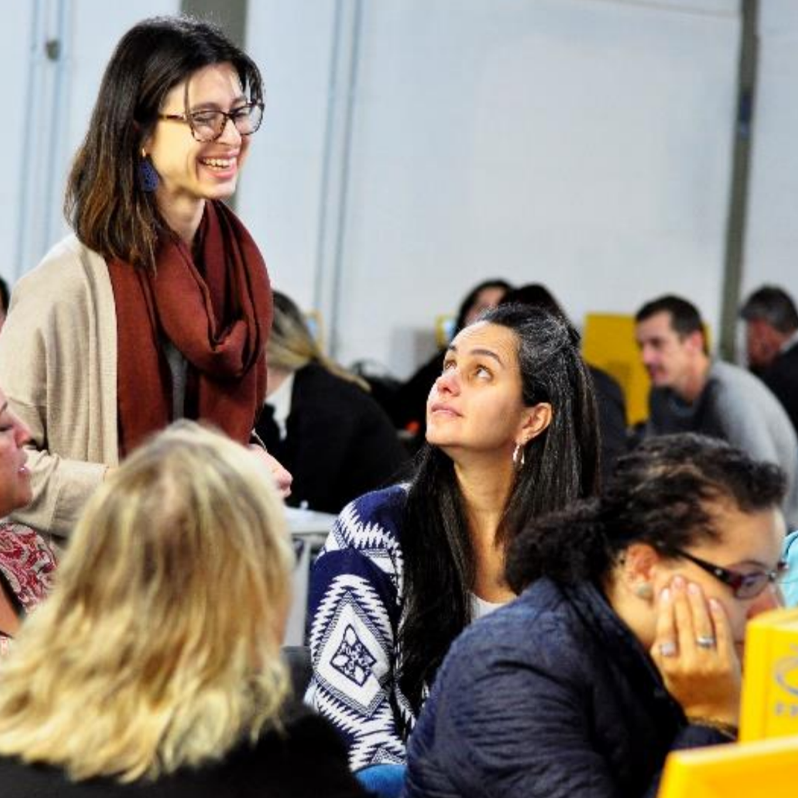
291, 345
159, 647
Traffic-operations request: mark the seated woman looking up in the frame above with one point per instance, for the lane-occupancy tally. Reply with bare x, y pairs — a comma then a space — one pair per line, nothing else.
26, 561
320, 422
511, 427
628, 641
154, 667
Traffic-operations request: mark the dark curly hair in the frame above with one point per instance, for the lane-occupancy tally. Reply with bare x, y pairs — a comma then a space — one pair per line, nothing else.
658, 494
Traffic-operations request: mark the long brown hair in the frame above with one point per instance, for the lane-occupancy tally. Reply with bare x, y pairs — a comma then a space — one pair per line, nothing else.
107, 208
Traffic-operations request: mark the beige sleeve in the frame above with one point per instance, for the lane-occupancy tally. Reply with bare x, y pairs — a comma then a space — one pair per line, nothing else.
50, 368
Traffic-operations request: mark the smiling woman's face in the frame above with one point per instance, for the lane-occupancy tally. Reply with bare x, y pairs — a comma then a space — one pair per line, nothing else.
190, 170
15, 488
476, 404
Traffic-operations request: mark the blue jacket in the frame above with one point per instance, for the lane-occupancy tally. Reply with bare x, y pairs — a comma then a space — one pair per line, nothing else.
549, 696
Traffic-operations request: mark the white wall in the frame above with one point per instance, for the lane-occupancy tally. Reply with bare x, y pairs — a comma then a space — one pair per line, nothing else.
771, 247
17, 60
48, 103
281, 191
584, 143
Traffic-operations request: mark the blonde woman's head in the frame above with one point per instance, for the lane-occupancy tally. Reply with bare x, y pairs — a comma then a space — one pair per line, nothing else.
160, 644
291, 345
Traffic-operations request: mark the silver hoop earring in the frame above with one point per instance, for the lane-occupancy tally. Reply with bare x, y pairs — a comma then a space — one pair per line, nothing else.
519, 457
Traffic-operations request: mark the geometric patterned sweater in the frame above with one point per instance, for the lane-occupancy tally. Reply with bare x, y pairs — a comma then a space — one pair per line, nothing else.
355, 609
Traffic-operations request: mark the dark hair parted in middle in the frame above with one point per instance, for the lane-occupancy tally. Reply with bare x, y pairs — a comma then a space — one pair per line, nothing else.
108, 209
561, 465
660, 494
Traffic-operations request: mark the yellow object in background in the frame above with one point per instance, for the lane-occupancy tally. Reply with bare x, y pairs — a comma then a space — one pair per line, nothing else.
444, 329
767, 768
608, 341
770, 680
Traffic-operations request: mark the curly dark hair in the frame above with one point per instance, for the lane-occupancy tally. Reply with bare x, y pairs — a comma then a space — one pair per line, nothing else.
658, 494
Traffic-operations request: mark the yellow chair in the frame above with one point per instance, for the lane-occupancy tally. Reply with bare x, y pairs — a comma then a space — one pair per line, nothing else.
608, 341
770, 684
765, 761
767, 768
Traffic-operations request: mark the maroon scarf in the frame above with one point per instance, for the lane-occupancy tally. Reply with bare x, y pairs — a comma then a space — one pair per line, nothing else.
218, 316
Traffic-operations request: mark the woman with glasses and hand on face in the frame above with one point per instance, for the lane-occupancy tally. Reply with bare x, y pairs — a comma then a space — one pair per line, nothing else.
159, 306
627, 641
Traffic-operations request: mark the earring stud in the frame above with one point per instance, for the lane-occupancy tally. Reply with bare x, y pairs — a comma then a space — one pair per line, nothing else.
148, 177
644, 590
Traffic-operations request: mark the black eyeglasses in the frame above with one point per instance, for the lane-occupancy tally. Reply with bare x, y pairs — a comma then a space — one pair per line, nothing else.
208, 124
744, 586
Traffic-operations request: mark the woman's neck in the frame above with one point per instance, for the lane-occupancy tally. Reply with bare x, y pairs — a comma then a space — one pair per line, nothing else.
275, 378
183, 216
486, 483
486, 489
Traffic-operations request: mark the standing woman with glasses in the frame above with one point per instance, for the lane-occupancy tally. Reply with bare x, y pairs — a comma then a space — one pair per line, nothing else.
159, 306
627, 641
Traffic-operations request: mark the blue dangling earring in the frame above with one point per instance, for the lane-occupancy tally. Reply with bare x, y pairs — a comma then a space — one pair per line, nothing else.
148, 177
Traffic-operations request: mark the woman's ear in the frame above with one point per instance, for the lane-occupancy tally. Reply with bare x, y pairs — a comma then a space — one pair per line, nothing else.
638, 569
536, 419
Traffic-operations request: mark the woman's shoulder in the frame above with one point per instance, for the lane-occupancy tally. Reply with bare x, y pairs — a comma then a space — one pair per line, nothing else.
67, 271
303, 736
301, 726
539, 627
366, 535
374, 518
317, 387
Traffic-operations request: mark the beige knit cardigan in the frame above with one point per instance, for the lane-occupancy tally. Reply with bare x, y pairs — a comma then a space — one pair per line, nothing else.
58, 369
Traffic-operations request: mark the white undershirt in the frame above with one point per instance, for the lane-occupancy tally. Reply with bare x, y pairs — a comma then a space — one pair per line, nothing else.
480, 607
280, 400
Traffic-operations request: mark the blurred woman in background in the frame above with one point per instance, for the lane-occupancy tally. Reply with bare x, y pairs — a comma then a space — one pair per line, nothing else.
320, 422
